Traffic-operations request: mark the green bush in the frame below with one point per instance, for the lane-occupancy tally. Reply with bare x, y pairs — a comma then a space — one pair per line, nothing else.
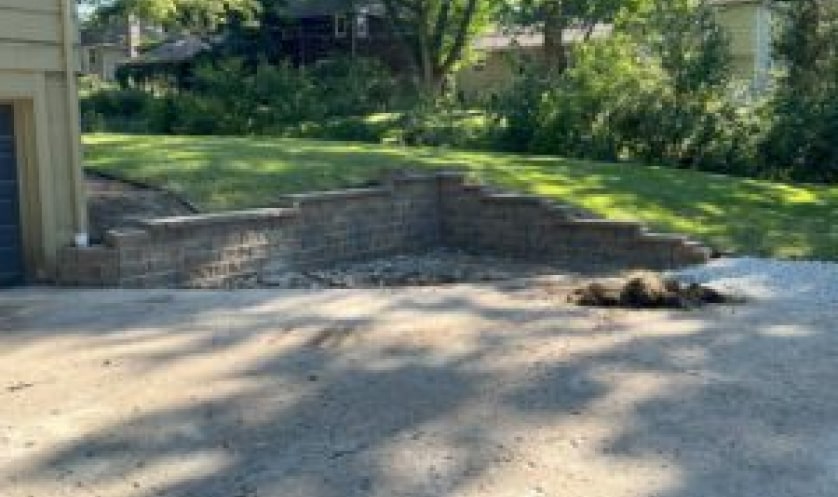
656, 91
227, 97
802, 142
347, 87
114, 109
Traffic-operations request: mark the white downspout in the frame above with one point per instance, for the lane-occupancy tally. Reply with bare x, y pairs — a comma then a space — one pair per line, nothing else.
82, 238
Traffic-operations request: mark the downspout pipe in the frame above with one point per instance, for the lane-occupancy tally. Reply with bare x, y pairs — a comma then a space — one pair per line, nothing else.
68, 22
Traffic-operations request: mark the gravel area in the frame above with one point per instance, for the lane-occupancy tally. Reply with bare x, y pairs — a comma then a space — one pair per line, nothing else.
432, 268
795, 282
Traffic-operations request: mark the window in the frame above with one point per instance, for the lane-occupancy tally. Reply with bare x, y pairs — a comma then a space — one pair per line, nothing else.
362, 26
341, 26
91, 57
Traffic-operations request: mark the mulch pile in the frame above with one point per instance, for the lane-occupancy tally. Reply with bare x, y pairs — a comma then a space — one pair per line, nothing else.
646, 291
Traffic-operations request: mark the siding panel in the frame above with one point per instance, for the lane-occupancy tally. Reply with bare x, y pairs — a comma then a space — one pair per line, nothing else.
60, 171
741, 22
30, 57
32, 5
18, 25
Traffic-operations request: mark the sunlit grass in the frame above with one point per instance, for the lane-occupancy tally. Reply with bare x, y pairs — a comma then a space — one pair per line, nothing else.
743, 215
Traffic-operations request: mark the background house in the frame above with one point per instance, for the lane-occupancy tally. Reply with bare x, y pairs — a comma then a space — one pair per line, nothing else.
42, 205
108, 43
318, 29
303, 32
170, 61
500, 56
750, 24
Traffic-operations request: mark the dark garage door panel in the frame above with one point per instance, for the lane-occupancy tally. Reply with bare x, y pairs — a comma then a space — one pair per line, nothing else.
11, 254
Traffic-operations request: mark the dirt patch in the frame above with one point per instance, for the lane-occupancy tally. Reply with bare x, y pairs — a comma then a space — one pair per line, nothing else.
116, 203
646, 291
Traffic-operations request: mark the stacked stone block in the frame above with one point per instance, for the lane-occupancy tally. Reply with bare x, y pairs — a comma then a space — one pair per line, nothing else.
407, 214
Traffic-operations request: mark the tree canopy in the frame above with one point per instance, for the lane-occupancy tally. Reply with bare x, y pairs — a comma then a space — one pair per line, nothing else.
436, 33
200, 14
555, 18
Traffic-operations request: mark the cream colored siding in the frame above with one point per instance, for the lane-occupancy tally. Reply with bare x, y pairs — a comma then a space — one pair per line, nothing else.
63, 197
102, 61
30, 26
494, 73
740, 21
30, 39
33, 77
31, 5
28, 57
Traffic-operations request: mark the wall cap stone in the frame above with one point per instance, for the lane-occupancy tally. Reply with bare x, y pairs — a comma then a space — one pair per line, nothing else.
513, 198
122, 237
300, 199
219, 218
606, 224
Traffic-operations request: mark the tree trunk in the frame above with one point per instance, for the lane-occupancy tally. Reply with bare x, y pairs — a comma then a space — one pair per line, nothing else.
555, 23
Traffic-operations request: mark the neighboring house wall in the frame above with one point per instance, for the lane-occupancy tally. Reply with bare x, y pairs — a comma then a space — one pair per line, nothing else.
493, 71
102, 61
750, 24
38, 43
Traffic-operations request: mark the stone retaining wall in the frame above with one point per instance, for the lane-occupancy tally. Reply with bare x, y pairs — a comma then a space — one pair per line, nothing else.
406, 215
535, 228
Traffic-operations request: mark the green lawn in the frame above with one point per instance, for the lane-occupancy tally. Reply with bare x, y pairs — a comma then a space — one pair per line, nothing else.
747, 216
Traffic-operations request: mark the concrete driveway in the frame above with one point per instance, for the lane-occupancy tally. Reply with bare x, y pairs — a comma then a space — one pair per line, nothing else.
462, 391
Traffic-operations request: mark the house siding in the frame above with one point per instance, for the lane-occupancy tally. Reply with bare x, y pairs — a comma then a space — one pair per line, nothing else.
34, 79
750, 29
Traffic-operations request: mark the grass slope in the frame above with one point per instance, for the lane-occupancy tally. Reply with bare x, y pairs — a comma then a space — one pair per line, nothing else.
747, 216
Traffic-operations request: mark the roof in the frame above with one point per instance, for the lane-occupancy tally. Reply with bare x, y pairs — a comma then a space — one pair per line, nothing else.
180, 50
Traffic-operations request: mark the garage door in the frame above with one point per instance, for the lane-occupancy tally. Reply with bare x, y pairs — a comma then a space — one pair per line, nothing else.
11, 254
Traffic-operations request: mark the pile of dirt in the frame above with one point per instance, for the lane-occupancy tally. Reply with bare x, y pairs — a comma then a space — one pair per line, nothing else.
646, 291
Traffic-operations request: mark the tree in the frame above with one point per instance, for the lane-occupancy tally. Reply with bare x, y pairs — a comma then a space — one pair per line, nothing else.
556, 18
193, 14
693, 48
801, 142
436, 33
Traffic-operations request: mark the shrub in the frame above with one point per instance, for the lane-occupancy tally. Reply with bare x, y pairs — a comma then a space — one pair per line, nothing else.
657, 90
347, 87
112, 109
801, 143
228, 97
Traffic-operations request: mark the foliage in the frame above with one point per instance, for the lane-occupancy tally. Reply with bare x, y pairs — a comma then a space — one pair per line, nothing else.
104, 107
557, 18
654, 91
440, 125
802, 140
225, 97
192, 14
436, 33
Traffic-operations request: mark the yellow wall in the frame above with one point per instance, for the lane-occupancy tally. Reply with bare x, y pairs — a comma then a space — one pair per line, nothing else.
493, 73
33, 76
742, 23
